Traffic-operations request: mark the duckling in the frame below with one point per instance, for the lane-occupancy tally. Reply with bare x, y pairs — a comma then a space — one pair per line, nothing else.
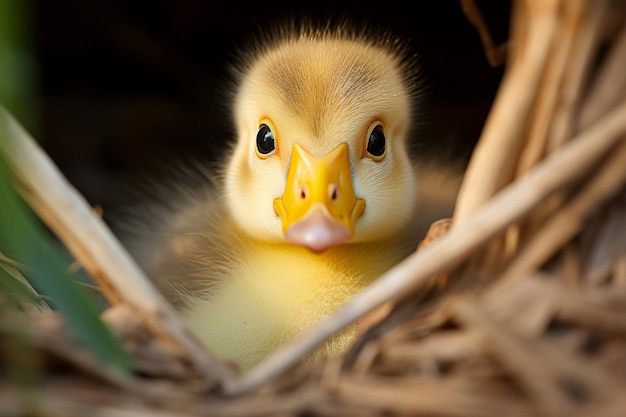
315, 200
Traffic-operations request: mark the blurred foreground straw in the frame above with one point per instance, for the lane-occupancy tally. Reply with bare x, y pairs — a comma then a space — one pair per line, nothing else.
69, 216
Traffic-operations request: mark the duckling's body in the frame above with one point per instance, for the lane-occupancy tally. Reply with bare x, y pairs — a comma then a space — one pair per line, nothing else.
274, 291
244, 297
316, 199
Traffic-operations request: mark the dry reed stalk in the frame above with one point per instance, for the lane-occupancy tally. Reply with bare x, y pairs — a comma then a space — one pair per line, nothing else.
609, 86
406, 397
445, 346
591, 313
568, 221
69, 216
586, 38
496, 55
534, 26
519, 356
546, 102
553, 377
605, 248
580, 37
538, 311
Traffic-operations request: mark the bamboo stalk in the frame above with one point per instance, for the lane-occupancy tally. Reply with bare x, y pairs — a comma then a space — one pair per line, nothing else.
87, 237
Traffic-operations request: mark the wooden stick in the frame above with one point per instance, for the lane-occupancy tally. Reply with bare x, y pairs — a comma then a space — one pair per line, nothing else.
519, 356
550, 87
609, 85
567, 222
493, 163
540, 368
558, 97
429, 398
619, 274
448, 346
573, 306
562, 168
579, 62
608, 245
496, 55
69, 216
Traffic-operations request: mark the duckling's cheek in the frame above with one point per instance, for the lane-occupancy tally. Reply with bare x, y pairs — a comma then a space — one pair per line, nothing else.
250, 186
318, 208
389, 188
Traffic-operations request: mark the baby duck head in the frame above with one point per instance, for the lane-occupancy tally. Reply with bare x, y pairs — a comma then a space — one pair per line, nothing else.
321, 157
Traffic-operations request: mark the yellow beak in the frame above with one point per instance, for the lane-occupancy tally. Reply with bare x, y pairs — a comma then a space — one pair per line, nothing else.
318, 208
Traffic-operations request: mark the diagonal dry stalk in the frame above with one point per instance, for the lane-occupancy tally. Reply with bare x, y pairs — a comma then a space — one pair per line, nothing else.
69, 216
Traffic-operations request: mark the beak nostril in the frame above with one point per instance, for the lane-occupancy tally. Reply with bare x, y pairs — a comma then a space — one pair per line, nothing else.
302, 192
334, 192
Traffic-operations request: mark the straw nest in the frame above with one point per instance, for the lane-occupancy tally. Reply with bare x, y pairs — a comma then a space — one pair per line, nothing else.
516, 306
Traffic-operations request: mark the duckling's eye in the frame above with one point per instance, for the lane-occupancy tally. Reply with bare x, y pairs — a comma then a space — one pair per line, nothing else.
376, 142
265, 140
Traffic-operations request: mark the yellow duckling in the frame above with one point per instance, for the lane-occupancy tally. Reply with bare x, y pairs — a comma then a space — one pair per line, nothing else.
315, 201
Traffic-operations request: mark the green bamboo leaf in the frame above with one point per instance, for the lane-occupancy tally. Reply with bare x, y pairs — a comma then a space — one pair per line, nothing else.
14, 288
23, 238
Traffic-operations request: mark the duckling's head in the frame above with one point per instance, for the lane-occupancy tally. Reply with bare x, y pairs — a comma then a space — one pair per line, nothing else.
321, 156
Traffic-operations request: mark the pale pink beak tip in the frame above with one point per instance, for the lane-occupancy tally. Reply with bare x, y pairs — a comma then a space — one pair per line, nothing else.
318, 232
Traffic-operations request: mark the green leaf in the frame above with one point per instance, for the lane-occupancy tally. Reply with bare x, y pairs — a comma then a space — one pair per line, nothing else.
15, 289
23, 238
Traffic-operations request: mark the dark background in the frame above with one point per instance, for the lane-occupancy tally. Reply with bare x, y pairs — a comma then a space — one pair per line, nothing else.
127, 87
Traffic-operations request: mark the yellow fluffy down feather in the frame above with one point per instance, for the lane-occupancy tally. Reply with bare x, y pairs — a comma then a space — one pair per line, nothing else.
219, 249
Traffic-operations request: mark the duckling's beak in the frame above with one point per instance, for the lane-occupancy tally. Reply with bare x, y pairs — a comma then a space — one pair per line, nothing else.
318, 208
